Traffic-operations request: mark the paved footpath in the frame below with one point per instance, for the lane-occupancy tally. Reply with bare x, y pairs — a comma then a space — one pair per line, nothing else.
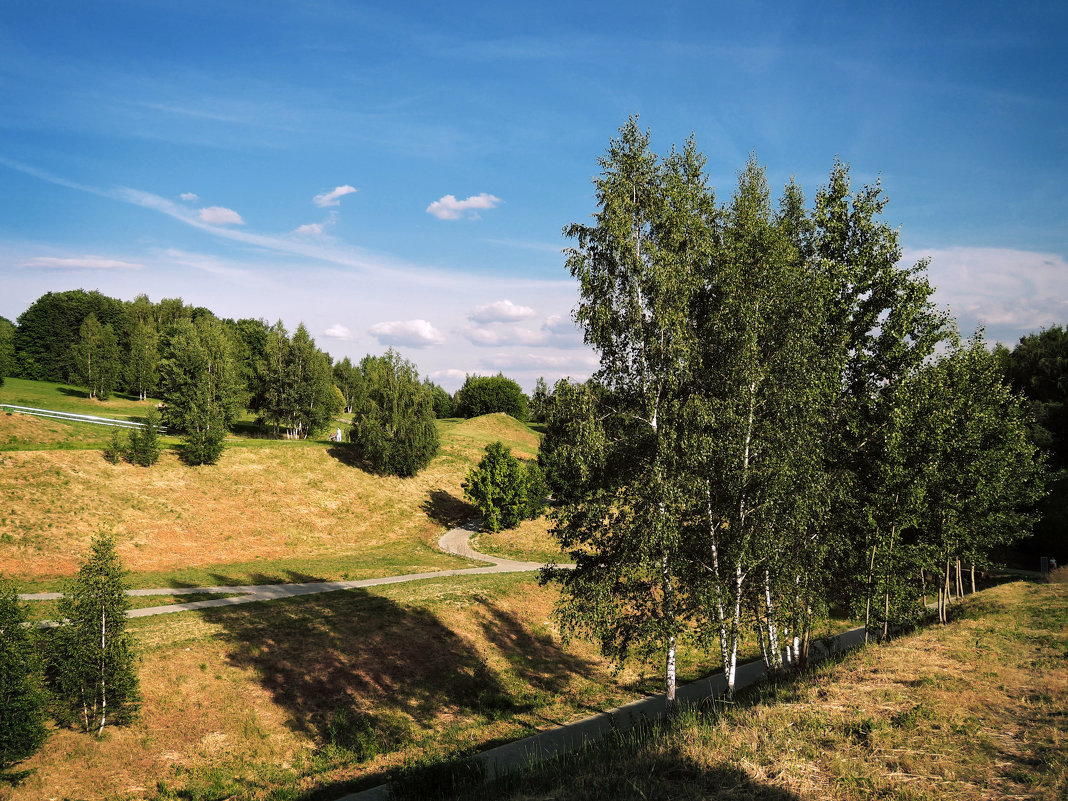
456, 541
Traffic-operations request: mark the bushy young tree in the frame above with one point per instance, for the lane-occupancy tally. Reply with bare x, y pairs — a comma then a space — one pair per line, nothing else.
94, 664
348, 379
394, 427
498, 488
485, 394
22, 696
96, 358
201, 389
144, 448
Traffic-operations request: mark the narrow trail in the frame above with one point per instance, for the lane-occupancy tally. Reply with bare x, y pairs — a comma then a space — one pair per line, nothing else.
457, 541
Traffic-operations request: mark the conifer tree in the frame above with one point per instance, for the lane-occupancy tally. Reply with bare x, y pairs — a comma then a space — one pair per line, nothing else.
22, 695
94, 663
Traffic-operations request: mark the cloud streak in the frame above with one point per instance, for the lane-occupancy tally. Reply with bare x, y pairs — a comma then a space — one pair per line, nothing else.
83, 263
217, 215
449, 208
333, 197
500, 311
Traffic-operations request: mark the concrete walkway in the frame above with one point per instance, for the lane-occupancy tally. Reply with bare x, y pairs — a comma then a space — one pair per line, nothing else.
457, 541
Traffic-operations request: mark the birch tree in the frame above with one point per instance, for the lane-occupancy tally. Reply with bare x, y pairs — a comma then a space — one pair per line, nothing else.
96, 357
22, 695
638, 269
96, 677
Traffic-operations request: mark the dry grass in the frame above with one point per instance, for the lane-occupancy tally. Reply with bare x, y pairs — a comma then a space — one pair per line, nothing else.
238, 702
973, 710
244, 520
531, 541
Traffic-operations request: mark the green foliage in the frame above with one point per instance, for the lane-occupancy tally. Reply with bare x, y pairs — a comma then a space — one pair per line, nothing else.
22, 696
144, 445
51, 327
115, 449
93, 663
487, 394
96, 358
393, 417
201, 389
443, 404
349, 380
539, 402
7, 349
498, 487
536, 490
142, 365
295, 384
573, 450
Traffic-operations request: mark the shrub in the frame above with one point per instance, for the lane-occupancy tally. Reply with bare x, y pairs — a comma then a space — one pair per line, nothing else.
22, 695
114, 450
144, 442
487, 394
505, 492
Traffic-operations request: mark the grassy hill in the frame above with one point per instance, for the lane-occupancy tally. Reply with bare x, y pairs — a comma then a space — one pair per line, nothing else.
268, 511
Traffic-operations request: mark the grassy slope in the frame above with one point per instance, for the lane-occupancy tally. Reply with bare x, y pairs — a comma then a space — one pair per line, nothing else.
269, 511
239, 702
973, 710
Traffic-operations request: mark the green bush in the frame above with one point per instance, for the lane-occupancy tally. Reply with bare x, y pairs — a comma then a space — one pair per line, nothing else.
487, 394
22, 695
144, 442
114, 450
505, 492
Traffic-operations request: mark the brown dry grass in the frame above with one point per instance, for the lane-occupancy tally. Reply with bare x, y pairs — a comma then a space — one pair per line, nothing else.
531, 541
972, 710
264, 501
239, 700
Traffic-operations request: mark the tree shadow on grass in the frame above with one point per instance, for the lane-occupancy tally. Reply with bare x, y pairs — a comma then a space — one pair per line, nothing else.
447, 510
347, 455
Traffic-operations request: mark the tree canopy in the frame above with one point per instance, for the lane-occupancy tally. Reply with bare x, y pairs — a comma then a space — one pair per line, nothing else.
485, 394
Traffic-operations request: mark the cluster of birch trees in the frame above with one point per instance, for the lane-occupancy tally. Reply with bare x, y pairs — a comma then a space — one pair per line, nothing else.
782, 419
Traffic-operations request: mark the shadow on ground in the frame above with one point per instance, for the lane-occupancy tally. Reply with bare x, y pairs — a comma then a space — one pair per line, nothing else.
346, 454
365, 675
447, 510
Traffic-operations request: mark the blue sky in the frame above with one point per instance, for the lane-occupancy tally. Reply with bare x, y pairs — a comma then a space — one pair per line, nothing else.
399, 173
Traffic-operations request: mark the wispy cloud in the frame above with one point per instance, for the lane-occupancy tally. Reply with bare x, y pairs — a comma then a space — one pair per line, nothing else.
413, 333
189, 197
449, 208
217, 215
333, 197
500, 311
310, 229
83, 263
1011, 292
338, 331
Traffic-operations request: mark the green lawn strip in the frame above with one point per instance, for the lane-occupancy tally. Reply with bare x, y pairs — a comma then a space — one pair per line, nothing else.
386, 559
505, 550
67, 398
879, 722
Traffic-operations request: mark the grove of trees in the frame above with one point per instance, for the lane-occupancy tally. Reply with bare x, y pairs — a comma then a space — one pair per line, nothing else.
485, 394
772, 429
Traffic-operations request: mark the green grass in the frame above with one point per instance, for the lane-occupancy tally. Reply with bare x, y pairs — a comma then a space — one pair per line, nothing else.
67, 398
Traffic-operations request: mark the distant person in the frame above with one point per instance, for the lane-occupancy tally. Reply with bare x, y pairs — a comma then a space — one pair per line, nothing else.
1052, 564
337, 436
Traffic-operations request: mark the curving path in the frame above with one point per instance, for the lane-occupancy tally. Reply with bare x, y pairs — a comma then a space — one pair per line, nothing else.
457, 541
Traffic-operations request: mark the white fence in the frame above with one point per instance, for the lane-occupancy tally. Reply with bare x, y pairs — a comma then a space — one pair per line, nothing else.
70, 417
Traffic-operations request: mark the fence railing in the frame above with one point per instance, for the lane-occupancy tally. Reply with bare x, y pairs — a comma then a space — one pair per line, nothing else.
71, 417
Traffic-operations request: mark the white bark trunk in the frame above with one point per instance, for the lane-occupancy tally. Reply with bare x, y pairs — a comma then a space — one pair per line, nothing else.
103, 680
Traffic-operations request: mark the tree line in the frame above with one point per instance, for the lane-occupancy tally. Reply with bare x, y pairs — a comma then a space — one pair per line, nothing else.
208, 371
783, 422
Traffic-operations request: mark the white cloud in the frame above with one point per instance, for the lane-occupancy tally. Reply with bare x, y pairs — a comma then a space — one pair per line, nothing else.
217, 215
500, 311
575, 365
1010, 292
83, 263
414, 333
338, 331
449, 208
492, 337
333, 198
310, 229
189, 197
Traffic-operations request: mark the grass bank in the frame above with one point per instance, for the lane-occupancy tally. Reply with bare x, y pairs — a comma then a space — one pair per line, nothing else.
972, 710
